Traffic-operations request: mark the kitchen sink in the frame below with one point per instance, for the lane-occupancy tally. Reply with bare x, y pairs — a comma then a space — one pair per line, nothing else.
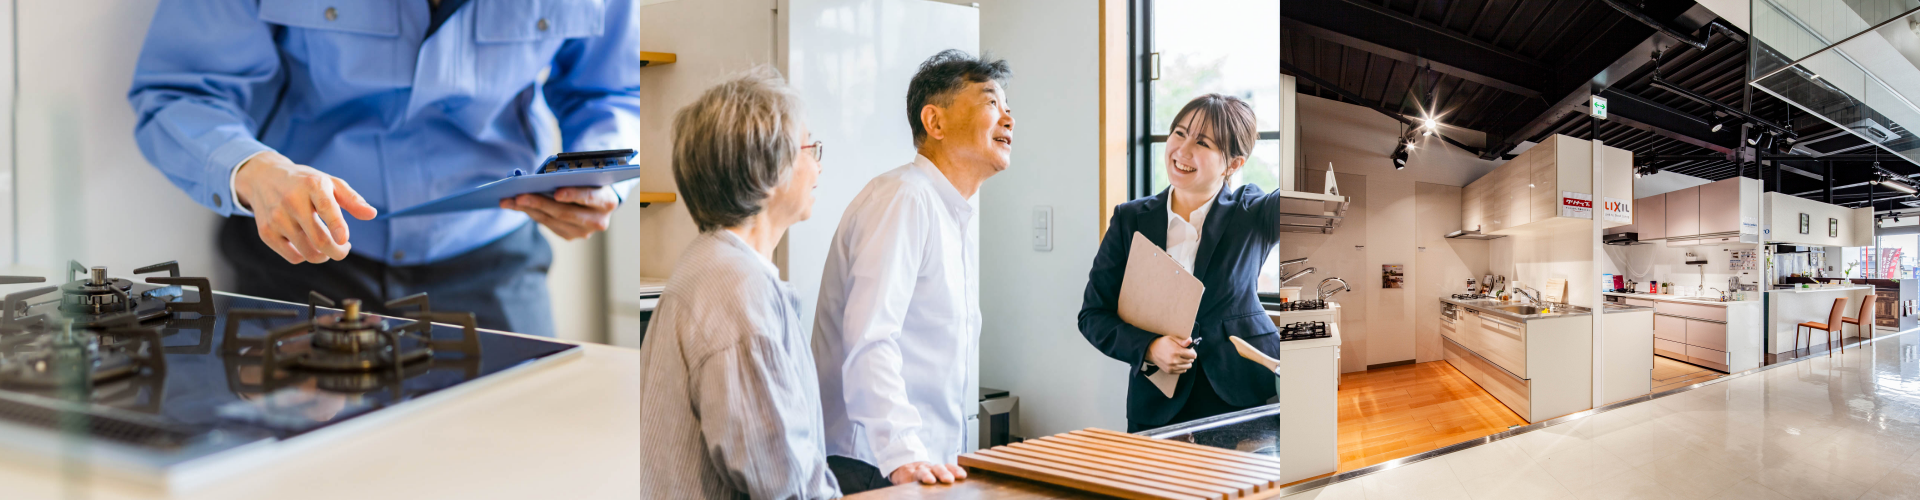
1524, 310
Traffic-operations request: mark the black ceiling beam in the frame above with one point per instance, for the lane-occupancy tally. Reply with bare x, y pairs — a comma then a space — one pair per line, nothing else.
1645, 114
1521, 88
1373, 28
1625, 62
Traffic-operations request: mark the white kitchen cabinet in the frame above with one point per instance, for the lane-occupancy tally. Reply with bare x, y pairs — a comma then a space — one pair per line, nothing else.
1670, 328
1707, 334
1539, 375
1683, 213
1530, 187
1650, 217
1720, 207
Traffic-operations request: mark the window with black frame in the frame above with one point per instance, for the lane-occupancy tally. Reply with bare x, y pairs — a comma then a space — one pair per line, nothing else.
1191, 48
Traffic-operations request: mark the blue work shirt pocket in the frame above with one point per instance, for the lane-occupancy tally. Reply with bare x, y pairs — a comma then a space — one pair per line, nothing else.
350, 47
517, 39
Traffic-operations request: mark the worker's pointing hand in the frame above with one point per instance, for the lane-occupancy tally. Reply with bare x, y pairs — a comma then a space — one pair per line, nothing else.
297, 208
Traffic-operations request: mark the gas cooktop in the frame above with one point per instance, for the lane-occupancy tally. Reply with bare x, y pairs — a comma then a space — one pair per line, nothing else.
159, 380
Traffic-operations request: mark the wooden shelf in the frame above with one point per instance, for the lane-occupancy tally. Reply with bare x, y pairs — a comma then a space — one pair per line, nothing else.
656, 58
652, 198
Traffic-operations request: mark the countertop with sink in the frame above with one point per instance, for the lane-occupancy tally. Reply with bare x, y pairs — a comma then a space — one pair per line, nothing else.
1679, 298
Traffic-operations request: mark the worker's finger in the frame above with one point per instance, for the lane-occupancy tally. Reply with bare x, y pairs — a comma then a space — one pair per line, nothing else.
925, 476
600, 198
319, 239
296, 237
958, 471
352, 201
589, 218
1185, 354
941, 473
326, 205
272, 238
566, 230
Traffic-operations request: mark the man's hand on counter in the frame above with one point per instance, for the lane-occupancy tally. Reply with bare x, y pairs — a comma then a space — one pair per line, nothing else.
927, 473
1172, 356
572, 213
297, 208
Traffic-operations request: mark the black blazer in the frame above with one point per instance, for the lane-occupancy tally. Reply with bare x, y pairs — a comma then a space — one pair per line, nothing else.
1240, 230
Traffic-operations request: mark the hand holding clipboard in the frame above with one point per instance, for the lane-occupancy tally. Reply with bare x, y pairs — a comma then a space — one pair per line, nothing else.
1159, 295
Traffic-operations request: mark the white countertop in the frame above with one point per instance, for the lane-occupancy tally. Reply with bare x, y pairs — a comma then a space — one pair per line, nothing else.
1678, 298
1823, 289
652, 286
568, 430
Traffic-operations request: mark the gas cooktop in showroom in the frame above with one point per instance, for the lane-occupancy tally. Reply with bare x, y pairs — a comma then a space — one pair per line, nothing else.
166, 383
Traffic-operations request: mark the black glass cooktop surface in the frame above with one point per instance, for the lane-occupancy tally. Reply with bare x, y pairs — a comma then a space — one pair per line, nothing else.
152, 371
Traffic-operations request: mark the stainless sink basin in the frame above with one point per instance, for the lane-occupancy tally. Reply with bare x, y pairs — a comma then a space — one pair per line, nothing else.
1523, 310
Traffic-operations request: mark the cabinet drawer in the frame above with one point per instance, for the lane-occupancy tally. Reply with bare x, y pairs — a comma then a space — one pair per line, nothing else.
1510, 390
1637, 302
1710, 358
1499, 340
1669, 328
1707, 334
1691, 310
1670, 349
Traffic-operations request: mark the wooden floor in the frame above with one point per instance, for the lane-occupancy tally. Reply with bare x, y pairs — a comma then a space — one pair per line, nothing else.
1395, 412
1669, 374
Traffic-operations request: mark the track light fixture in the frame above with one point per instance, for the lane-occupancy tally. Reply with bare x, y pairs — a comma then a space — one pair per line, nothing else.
1885, 180
1400, 157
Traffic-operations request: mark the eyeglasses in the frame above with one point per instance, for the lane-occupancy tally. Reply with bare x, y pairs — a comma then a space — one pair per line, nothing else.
819, 150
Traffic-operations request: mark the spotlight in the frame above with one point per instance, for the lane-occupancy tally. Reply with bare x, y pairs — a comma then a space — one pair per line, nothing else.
1782, 145
1764, 142
1722, 124
1887, 181
1400, 157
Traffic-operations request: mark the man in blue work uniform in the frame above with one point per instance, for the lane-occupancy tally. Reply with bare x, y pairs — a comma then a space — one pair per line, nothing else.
294, 112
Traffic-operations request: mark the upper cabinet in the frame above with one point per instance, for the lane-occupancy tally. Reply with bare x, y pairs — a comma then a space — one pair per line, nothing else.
1549, 179
1725, 211
1650, 217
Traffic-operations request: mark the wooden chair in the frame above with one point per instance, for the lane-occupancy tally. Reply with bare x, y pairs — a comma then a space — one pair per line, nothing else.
1864, 322
1832, 324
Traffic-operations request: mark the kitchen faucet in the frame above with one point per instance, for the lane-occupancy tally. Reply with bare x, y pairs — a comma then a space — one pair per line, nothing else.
1325, 293
1723, 293
1523, 290
1296, 275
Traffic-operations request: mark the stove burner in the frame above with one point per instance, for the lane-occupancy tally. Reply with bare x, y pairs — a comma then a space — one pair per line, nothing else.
351, 341
66, 358
1471, 296
1301, 305
1305, 330
101, 301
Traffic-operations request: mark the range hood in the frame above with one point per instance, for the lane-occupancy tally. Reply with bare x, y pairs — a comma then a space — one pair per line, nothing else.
1622, 239
1472, 235
1306, 212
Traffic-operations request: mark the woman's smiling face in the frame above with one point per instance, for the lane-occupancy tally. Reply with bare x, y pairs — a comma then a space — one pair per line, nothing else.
1196, 162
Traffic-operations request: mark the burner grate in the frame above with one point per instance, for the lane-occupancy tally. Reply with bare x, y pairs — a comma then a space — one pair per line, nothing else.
1471, 296
1305, 330
1301, 305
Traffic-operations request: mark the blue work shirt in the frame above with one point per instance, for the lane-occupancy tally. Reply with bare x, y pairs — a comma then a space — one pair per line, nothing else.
356, 89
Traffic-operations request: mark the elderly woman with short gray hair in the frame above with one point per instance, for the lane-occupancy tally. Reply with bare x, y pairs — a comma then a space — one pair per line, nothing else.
728, 389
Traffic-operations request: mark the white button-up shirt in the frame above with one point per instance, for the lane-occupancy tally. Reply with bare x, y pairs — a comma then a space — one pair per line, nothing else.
1183, 238
898, 321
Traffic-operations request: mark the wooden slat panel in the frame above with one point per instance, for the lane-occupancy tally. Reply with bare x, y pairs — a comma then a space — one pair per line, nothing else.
1147, 472
1065, 478
1266, 472
1191, 449
1156, 483
1097, 450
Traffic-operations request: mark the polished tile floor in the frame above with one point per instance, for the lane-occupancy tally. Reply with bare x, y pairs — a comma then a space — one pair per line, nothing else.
1840, 427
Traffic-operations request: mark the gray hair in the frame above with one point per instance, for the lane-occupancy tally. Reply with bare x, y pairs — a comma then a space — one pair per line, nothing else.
943, 75
733, 145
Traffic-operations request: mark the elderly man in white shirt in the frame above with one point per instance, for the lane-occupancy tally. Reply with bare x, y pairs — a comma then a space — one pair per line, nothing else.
901, 285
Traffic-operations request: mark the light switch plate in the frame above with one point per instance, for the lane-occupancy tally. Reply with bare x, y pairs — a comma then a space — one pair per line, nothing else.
1043, 228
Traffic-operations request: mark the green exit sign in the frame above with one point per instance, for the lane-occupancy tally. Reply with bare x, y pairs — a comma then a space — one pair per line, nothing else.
1599, 107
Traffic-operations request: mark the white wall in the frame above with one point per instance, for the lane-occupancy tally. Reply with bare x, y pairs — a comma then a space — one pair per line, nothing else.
93, 197
1030, 300
1656, 261
1396, 217
712, 39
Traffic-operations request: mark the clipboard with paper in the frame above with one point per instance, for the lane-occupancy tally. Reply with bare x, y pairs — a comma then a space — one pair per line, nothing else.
1159, 295
581, 169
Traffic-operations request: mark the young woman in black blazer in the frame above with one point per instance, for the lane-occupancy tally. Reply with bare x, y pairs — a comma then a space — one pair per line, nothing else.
1209, 141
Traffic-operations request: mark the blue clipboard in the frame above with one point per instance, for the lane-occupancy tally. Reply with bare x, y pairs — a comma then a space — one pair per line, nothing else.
584, 169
